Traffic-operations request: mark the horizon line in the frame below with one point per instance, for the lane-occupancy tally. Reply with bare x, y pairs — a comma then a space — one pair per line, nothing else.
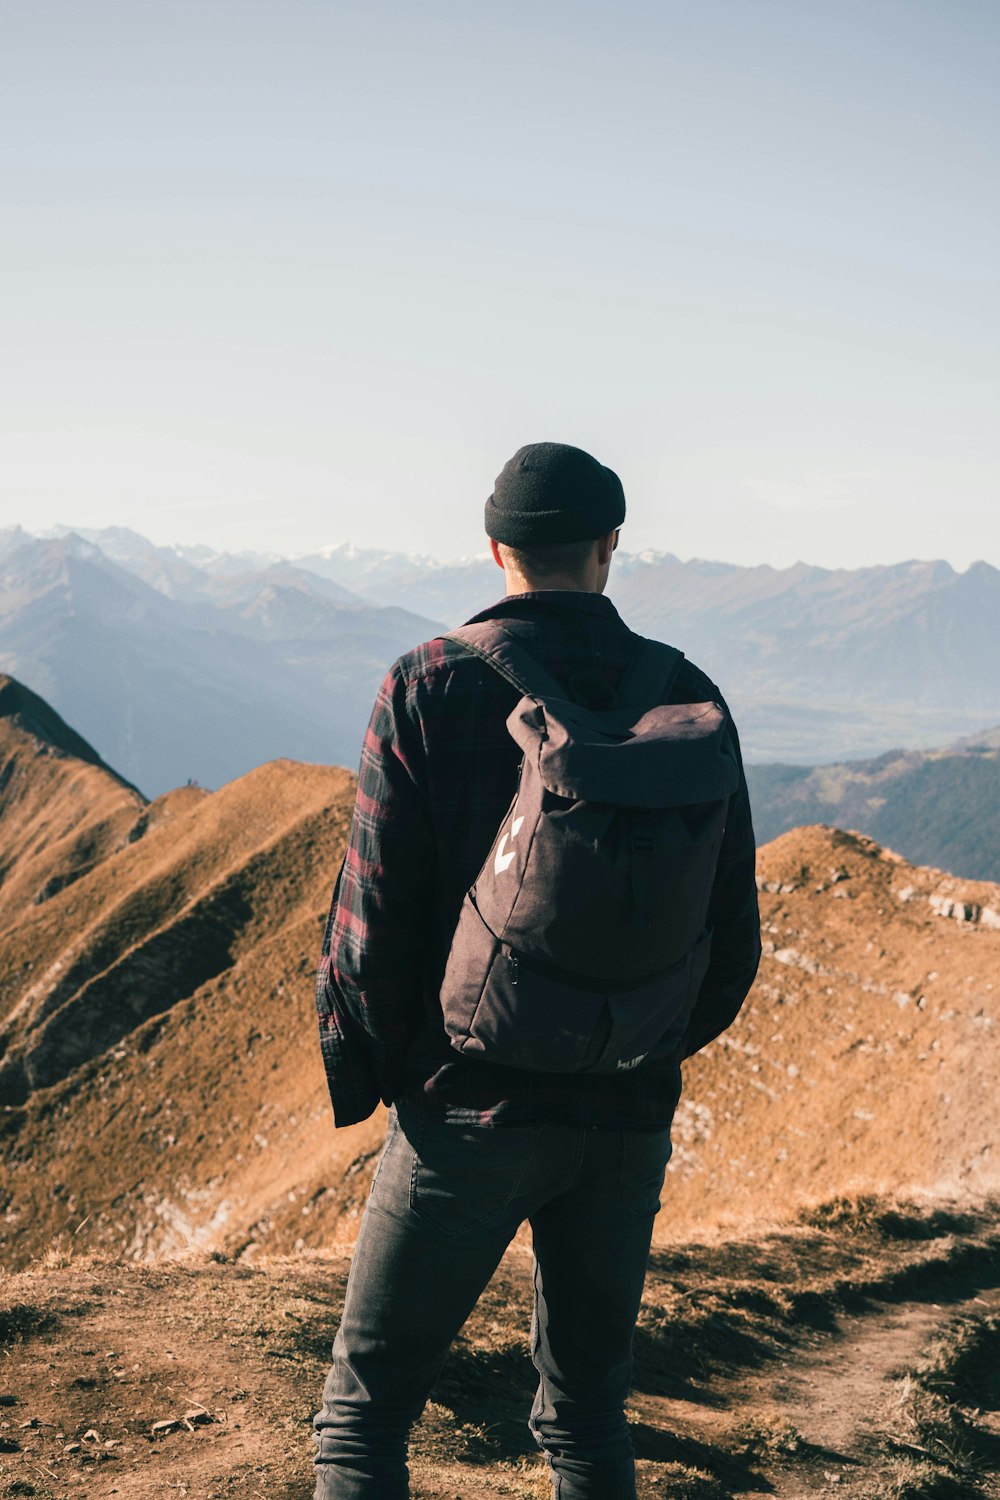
60, 531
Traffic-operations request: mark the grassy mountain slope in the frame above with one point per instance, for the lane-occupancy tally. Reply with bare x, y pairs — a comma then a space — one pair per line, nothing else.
939, 808
864, 1057
62, 810
156, 1030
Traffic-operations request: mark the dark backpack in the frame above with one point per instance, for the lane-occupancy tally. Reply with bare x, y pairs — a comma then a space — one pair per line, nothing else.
582, 944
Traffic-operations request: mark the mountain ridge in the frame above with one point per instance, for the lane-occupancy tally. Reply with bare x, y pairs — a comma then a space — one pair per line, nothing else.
203, 688
62, 809
35, 717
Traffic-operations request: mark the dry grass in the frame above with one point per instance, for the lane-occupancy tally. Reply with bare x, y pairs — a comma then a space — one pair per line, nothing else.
936, 1442
723, 1325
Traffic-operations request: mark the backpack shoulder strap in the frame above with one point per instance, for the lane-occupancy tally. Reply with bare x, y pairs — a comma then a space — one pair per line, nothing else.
498, 648
650, 674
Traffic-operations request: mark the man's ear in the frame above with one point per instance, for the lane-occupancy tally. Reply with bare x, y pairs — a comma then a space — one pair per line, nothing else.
605, 546
496, 553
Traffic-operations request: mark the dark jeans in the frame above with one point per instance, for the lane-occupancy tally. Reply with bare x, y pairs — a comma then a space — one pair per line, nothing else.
445, 1203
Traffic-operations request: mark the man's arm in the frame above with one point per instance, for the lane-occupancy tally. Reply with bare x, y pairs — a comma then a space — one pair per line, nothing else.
734, 918
381, 916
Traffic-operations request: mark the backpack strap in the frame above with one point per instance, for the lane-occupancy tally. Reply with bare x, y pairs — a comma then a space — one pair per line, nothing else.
498, 648
650, 674
648, 677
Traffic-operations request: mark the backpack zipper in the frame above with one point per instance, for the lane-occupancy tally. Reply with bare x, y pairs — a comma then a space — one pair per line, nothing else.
564, 976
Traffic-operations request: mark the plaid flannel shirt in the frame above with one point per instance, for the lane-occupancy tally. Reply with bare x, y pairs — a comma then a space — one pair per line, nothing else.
438, 771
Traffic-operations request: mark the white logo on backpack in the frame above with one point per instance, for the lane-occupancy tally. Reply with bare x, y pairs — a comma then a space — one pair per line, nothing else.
504, 861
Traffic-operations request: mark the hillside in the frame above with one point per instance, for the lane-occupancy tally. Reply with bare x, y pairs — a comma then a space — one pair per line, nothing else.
62, 810
865, 1057
158, 1009
938, 807
162, 1078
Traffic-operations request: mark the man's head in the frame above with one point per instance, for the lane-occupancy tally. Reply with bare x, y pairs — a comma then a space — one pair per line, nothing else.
553, 518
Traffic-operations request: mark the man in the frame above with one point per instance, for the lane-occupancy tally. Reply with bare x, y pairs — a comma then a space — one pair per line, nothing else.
475, 1148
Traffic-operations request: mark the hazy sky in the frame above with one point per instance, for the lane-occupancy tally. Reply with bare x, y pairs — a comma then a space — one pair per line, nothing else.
276, 273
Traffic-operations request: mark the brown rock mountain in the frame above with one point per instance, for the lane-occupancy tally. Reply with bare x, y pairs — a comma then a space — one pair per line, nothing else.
865, 1058
160, 1078
62, 810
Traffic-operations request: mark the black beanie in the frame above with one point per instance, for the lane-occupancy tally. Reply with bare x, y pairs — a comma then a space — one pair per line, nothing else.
550, 492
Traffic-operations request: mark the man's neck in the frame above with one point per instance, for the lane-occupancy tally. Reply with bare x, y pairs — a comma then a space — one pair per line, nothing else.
518, 584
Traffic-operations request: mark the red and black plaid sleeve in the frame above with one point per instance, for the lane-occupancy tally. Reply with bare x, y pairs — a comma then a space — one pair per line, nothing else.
381, 914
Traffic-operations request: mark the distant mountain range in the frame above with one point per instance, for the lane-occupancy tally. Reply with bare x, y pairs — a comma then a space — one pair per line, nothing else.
179, 673
183, 663
938, 808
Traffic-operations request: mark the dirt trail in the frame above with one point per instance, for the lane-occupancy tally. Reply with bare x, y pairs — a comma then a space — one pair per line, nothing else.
769, 1365
828, 1398
842, 1397
836, 1398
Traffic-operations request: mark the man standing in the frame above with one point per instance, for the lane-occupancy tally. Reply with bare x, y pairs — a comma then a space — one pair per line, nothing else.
476, 1147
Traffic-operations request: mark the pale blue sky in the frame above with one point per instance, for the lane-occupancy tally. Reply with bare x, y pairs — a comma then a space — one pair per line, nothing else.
277, 273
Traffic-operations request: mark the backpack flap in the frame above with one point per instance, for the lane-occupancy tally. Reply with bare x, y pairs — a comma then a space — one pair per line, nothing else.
675, 755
